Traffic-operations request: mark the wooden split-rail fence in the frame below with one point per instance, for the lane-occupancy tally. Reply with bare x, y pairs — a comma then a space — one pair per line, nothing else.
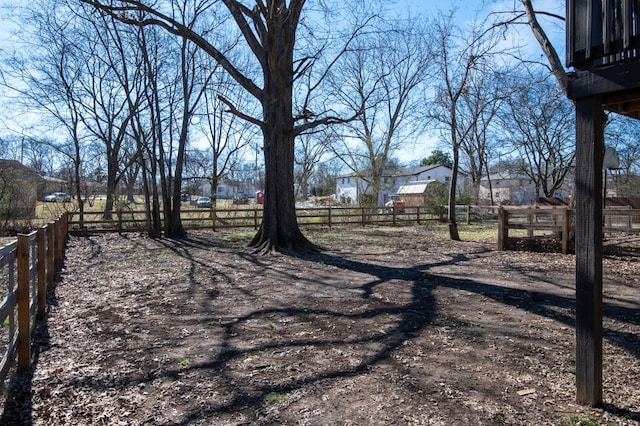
250, 218
558, 223
27, 269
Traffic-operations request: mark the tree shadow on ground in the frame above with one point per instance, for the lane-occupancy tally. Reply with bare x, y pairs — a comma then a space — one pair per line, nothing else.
412, 318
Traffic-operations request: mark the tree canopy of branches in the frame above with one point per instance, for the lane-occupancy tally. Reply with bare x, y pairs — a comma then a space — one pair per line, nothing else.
380, 82
461, 59
270, 31
539, 124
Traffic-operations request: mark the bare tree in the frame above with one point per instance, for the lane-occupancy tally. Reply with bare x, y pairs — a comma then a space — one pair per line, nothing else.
622, 134
49, 80
147, 127
193, 84
270, 31
539, 124
311, 149
380, 84
527, 14
460, 56
555, 64
110, 95
228, 136
176, 80
478, 111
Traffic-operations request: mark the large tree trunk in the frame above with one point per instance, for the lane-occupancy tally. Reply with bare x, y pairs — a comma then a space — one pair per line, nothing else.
176, 229
111, 195
455, 145
279, 230
453, 224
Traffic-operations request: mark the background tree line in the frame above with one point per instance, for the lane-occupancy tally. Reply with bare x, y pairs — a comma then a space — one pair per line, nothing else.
156, 98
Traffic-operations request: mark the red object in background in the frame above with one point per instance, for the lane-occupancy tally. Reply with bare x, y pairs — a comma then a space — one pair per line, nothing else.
259, 197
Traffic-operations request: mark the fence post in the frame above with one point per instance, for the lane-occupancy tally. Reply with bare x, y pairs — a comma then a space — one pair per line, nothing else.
24, 320
418, 215
42, 270
363, 218
119, 214
503, 227
530, 217
56, 241
329, 210
50, 252
468, 214
60, 239
566, 230
66, 225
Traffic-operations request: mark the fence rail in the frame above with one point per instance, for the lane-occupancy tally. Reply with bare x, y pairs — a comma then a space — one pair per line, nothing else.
557, 223
27, 268
215, 219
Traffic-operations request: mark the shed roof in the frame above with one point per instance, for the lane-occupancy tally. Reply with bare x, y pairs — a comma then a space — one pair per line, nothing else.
417, 187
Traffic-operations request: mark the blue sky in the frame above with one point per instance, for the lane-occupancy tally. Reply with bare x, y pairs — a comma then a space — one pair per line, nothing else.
465, 11
470, 10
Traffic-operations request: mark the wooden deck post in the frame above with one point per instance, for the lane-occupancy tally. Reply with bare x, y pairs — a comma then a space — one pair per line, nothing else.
503, 227
589, 156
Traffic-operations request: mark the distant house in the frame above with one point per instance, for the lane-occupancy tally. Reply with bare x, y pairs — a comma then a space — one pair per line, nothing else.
19, 193
622, 185
515, 188
52, 184
350, 186
229, 188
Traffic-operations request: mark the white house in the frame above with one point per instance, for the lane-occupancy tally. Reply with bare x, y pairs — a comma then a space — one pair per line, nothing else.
350, 186
516, 188
229, 188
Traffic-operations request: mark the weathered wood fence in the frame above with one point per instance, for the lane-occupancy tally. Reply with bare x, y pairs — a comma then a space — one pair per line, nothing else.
27, 268
558, 223
250, 218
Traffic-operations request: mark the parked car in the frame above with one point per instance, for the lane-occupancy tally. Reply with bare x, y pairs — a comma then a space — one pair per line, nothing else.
62, 197
204, 202
395, 203
240, 198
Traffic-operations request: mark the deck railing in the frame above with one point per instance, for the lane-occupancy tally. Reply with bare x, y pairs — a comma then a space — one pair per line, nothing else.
601, 32
556, 223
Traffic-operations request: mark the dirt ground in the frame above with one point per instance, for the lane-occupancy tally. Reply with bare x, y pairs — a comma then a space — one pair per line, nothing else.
385, 326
